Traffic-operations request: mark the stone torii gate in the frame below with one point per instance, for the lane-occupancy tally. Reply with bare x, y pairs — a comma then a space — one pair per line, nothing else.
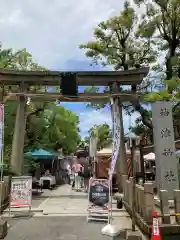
21, 82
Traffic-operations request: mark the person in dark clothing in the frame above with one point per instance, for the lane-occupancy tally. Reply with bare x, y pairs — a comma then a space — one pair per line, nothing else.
86, 175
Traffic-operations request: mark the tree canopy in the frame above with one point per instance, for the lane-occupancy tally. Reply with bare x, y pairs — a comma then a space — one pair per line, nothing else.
103, 134
132, 40
48, 125
53, 127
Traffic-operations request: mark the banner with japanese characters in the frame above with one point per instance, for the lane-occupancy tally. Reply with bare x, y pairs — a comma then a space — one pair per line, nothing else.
21, 191
165, 159
98, 200
98, 194
116, 136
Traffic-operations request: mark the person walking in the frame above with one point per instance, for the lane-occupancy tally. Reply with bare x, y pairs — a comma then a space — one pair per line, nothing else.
86, 175
76, 168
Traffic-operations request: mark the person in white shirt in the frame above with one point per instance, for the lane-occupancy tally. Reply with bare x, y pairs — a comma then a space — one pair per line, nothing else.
76, 168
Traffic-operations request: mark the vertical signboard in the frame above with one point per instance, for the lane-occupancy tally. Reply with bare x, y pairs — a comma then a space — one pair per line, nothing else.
166, 163
98, 198
21, 191
116, 136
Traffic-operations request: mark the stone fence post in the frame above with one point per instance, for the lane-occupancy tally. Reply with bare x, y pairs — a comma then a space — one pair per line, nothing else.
148, 202
177, 204
164, 206
124, 179
140, 199
127, 192
131, 192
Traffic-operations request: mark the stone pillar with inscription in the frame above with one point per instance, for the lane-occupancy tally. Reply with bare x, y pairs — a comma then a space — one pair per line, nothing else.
166, 163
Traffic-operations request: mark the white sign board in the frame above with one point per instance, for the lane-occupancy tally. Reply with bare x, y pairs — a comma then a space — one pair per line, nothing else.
116, 136
21, 191
166, 162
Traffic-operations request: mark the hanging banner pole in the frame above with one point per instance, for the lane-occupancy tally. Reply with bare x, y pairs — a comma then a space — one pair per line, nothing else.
110, 229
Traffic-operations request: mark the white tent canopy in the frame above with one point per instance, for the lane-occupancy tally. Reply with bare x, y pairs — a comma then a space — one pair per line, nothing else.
149, 156
152, 156
105, 151
177, 152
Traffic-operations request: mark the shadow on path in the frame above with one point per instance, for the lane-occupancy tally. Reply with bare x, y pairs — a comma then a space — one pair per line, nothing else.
66, 228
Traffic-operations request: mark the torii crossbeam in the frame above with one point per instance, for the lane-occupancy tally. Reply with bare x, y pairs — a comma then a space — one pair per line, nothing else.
18, 85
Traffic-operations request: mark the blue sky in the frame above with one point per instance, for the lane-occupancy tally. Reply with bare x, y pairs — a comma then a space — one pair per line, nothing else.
89, 117
52, 32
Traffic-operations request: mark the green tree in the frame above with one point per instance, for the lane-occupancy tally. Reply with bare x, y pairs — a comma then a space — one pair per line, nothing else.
161, 22
23, 60
52, 127
103, 134
20, 60
139, 129
118, 43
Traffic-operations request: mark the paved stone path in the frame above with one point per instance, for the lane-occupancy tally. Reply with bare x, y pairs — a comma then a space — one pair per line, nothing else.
55, 228
63, 217
64, 201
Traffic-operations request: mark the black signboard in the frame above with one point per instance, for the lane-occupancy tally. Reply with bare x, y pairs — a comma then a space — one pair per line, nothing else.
99, 193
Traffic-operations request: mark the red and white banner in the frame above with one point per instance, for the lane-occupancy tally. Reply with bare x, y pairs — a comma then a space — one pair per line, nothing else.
156, 235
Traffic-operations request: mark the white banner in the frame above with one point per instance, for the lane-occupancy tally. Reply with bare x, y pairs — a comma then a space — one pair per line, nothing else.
21, 191
116, 136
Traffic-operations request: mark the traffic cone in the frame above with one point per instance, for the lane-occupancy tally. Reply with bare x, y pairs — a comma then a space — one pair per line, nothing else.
156, 235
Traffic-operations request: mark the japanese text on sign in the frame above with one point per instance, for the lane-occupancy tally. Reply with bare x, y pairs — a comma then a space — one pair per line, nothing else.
21, 191
165, 133
169, 176
167, 152
164, 112
116, 136
155, 227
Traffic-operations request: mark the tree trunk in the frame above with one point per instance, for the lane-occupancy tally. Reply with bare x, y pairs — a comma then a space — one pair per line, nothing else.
144, 114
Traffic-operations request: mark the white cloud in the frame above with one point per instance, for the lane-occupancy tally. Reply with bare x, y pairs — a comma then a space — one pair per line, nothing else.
90, 118
52, 30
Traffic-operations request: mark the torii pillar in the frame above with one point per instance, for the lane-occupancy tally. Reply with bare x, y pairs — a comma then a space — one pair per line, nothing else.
17, 157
